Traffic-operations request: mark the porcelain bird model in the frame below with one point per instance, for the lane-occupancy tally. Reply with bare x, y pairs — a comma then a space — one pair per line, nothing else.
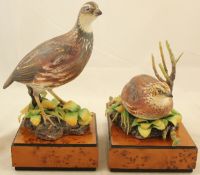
147, 97
58, 60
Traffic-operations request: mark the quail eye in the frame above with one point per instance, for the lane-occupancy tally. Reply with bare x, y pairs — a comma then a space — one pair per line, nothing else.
87, 9
160, 91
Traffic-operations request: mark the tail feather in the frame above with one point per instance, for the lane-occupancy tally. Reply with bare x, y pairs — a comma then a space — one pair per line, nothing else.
8, 82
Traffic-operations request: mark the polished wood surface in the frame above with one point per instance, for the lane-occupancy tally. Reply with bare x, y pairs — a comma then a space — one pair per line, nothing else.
129, 153
68, 152
55, 157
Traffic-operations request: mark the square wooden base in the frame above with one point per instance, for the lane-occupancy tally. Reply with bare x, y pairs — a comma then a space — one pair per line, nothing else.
70, 152
127, 153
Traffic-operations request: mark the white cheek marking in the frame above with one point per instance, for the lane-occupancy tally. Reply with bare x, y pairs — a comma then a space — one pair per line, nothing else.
85, 22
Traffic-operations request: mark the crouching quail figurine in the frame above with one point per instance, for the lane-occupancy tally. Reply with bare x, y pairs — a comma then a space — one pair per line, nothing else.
58, 60
147, 97
145, 106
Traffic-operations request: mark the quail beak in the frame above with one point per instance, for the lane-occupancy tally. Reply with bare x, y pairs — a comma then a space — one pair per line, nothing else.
169, 95
97, 12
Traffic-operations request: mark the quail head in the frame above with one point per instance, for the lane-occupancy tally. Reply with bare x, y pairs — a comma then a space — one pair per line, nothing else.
147, 97
58, 60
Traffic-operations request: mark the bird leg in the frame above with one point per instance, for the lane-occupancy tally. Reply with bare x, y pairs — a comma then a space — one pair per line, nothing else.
44, 115
30, 92
56, 96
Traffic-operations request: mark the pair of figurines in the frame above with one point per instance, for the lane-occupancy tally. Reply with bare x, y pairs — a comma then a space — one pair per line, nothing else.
144, 109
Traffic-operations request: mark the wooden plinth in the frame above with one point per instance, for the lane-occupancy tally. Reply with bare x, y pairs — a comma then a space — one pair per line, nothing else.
127, 153
70, 152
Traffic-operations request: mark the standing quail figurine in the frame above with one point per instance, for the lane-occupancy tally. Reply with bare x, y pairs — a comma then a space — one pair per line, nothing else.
58, 60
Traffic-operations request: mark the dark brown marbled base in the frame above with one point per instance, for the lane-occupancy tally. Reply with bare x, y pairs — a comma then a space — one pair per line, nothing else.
70, 152
127, 153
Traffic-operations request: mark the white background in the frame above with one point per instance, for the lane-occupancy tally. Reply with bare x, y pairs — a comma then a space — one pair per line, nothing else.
125, 36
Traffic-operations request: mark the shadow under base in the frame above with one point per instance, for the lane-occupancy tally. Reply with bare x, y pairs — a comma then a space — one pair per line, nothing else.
70, 152
127, 153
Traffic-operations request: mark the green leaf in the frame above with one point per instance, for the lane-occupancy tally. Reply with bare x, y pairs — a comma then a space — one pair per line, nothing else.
125, 113
140, 120
117, 99
158, 124
125, 116
71, 106
35, 120
48, 104
85, 115
134, 123
71, 118
165, 121
175, 119
114, 105
83, 123
145, 125
174, 111
119, 108
32, 112
144, 132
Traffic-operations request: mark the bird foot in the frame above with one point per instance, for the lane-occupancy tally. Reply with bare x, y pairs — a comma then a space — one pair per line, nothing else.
58, 119
47, 118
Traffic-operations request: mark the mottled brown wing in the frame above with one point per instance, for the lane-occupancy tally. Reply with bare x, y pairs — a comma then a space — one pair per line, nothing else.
134, 89
130, 92
133, 94
33, 62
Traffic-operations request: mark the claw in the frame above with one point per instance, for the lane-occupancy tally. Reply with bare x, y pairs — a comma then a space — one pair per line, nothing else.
43, 114
47, 118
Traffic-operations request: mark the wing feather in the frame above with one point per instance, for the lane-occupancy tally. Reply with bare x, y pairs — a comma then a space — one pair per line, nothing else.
35, 61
